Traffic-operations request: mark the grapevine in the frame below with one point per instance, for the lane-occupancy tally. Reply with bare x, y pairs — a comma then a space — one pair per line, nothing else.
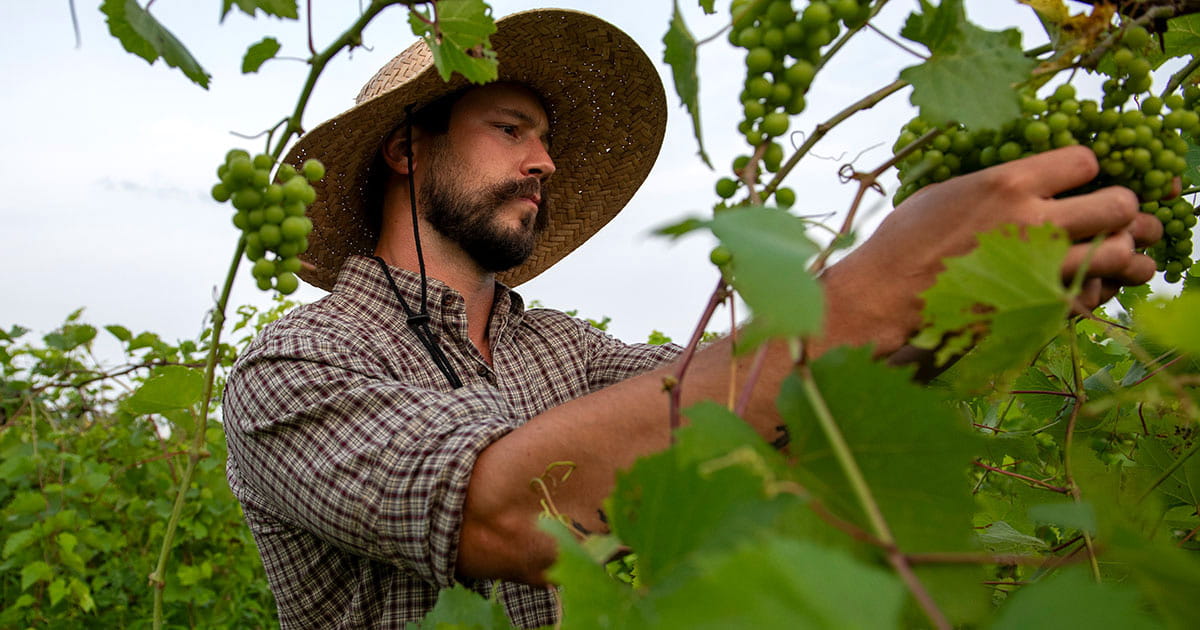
1139, 146
270, 215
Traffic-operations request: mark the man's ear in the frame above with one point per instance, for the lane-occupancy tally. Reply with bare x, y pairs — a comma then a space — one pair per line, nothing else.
395, 149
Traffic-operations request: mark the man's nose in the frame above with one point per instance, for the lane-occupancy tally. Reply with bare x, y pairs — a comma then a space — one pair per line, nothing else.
539, 163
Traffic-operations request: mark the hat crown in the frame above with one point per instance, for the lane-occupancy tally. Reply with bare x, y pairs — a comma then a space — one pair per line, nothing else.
396, 72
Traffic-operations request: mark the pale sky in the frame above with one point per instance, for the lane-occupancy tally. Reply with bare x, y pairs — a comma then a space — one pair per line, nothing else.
107, 161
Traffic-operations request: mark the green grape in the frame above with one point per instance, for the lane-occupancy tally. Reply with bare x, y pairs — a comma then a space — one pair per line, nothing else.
294, 209
1136, 37
775, 124
246, 199
1037, 132
816, 15
235, 154
296, 228
287, 283
758, 87
785, 197
263, 161
220, 192
273, 214
800, 75
290, 264
726, 188
263, 268
264, 284
273, 195
720, 256
759, 60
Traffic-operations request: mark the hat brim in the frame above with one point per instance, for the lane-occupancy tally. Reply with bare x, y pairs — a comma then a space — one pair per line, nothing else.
607, 111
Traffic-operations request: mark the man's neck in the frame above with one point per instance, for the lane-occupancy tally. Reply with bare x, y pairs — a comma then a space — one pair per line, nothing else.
446, 262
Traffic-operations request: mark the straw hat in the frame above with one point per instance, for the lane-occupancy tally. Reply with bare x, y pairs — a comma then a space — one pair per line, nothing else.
607, 113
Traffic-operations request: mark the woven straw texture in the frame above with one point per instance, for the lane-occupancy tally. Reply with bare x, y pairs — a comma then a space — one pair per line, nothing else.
607, 112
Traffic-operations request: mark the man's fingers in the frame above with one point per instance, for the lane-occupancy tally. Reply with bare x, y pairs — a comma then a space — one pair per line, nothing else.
1146, 229
1113, 259
1053, 172
1101, 212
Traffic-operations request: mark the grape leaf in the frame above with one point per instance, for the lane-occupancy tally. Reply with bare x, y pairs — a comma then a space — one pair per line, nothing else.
912, 451
458, 38
707, 5
1182, 36
145, 37
680, 54
70, 336
167, 388
709, 491
591, 600
970, 73
258, 54
782, 584
769, 269
463, 609
120, 332
910, 446
1182, 487
1009, 287
1173, 323
1001, 537
1191, 175
278, 8
1079, 516
1072, 595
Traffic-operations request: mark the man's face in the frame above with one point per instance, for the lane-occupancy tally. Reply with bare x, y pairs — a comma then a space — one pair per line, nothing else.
482, 186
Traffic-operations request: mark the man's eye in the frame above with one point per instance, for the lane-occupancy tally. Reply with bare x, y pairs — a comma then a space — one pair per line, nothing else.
508, 129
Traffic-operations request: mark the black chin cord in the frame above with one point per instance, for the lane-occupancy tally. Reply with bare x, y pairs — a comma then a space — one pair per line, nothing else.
419, 322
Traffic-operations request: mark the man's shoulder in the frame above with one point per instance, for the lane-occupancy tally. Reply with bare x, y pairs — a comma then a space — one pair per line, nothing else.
328, 322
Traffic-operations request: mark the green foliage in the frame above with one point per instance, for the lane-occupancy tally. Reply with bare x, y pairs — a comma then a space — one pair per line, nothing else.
277, 8
457, 33
680, 54
969, 73
259, 53
1007, 292
141, 34
90, 458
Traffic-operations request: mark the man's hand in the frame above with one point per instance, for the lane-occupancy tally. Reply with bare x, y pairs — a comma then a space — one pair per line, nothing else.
875, 289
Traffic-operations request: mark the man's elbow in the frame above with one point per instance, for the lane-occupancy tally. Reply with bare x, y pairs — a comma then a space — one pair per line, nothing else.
507, 545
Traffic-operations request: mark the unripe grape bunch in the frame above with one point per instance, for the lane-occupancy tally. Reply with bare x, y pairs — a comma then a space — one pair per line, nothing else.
783, 41
1141, 146
271, 215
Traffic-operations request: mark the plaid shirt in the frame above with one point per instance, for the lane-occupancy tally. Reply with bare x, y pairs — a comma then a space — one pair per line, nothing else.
351, 453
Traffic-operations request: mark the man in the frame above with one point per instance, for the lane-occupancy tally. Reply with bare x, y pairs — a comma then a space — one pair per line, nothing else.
382, 440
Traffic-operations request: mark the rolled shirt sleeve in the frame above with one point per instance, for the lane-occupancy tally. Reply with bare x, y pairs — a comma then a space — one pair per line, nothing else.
371, 465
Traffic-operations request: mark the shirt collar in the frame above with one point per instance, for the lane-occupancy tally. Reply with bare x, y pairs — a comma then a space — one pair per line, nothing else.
361, 278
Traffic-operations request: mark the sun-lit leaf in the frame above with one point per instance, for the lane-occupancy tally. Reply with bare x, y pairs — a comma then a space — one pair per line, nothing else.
769, 269
591, 600
168, 388
1075, 596
713, 488
1173, 323
463, 609
1009, 291
970, 73
782, 584
259, 53
912, 451
680, 54
277, 8
141, 34
70, 336
1004, 538
458, 38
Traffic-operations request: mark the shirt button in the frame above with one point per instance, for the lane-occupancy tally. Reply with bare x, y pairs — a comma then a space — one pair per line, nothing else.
483, 371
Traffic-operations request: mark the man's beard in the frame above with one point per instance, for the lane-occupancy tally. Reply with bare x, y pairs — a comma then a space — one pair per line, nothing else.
469, 218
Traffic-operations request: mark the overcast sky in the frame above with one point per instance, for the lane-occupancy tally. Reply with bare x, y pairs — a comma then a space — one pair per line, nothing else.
107, 160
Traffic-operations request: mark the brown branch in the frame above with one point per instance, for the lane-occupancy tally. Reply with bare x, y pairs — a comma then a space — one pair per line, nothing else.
1024, 478
743, 401
674, 383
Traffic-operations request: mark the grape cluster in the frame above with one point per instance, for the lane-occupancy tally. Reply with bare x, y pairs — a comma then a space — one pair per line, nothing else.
783, 47
1140, 147
270, 214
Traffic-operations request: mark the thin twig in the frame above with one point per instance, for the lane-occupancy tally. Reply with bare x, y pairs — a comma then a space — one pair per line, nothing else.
897, 43
865, 103
743, 401
1036, 482
1178, 78
833, 50
1081, 398
674, 383
311, 48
